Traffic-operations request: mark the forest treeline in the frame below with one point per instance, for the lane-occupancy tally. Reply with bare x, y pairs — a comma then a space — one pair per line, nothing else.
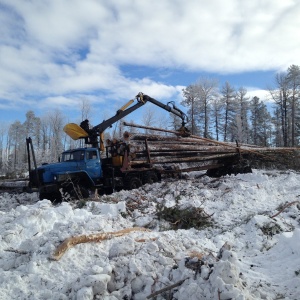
224, 114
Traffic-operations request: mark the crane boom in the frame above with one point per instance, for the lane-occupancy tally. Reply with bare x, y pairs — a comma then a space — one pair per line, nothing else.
91, 135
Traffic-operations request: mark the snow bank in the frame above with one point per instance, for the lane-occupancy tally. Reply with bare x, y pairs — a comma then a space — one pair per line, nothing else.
246, 254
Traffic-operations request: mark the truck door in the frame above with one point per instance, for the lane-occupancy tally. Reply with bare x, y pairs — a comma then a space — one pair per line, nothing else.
93, 166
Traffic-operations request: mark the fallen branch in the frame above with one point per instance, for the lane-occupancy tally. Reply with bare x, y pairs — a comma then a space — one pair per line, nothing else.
72, 241
145, 240
286, 206
16, 251
170, 287
219, 294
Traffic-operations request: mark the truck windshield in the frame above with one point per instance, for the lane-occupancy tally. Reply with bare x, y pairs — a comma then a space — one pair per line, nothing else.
73, 156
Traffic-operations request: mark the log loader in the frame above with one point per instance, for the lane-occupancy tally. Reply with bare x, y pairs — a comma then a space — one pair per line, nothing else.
84, 170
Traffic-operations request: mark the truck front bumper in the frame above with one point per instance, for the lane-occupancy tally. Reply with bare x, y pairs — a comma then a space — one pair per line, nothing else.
49, 188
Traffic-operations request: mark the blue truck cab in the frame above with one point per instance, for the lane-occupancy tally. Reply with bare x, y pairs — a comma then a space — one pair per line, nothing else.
79, 168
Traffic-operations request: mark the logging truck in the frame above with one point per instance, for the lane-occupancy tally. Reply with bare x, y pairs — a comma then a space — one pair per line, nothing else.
126, 164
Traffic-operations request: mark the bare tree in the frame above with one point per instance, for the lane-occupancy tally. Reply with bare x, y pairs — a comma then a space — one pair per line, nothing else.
162, 121
217, 116
207, 91
45, 133
3, 157
198, 98
149, 118
15, 132
56, 124
174, 122
86, 109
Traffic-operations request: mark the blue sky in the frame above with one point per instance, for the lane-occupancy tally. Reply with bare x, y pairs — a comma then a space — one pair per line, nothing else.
53, 54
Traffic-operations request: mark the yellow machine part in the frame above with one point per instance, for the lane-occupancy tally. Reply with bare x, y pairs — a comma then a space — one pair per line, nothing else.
126, 105
75, 131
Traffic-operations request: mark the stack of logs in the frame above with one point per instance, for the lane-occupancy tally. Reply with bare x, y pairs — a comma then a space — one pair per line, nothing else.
198, 153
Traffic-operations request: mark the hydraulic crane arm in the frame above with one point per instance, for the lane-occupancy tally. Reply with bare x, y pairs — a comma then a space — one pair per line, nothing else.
90, 135
142, 99
175, 110
121, 113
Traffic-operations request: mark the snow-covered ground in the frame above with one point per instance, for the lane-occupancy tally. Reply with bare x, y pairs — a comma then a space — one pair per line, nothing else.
246, 252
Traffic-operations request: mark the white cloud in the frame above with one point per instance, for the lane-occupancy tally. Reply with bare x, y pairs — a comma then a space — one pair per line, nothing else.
263, 95
57, 49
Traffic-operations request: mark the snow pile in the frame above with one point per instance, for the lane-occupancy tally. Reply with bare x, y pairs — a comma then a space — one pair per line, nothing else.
245, 252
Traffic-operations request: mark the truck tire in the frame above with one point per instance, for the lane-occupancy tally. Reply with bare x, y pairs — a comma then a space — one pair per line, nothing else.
133, 183
150, 178
79, 192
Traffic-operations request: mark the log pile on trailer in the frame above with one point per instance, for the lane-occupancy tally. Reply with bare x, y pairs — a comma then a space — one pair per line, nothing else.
196, 153
162, 151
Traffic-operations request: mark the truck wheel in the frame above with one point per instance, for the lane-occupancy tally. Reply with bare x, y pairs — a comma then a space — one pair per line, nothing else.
85, 192
78, 192
150, 178
134, 183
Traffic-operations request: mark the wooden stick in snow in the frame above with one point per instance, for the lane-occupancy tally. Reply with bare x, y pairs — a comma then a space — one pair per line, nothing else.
170, 287
286, 206
75, 240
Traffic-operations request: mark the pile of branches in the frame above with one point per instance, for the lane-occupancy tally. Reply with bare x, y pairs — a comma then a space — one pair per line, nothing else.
276, 158
179, 218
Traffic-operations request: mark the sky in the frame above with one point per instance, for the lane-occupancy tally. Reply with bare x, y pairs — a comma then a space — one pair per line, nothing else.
56, 53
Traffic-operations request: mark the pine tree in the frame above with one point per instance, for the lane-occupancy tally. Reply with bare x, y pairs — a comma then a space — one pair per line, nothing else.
261, 123
293, 79
242, 115
280, 95
228, 93
191, 101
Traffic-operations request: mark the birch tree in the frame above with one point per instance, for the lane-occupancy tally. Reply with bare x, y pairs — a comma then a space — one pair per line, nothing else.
17, 145
86, 109
56, 124
207, 89
217, 116
3, 158
198, 98
149, 118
